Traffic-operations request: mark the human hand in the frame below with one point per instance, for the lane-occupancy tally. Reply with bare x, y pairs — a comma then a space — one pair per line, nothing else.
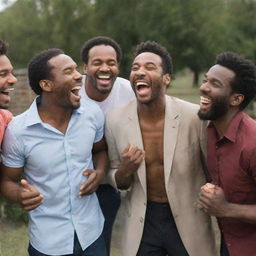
213, 201
132, 157
29, 197
92, 182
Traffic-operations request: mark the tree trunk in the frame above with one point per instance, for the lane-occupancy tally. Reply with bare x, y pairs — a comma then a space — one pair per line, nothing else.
195, 78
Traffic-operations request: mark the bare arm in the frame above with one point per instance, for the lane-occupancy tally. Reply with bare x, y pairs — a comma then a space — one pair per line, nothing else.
214, 203
100, 160
22, 193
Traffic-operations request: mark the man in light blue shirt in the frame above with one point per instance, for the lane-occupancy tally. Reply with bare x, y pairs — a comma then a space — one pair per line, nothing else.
52, 143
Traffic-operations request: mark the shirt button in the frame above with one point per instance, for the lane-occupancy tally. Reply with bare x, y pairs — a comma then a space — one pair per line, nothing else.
141, 219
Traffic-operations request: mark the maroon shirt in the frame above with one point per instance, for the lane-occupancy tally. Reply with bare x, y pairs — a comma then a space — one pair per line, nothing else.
232, 165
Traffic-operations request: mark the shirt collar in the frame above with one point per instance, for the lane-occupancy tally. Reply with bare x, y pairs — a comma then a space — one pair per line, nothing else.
33, 115
233, 127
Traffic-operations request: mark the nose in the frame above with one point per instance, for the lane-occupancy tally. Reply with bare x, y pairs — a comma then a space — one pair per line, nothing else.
204, 87
104, 67
78, 75
12, 79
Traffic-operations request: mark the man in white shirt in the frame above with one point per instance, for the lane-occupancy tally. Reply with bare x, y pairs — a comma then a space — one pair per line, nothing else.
102, 57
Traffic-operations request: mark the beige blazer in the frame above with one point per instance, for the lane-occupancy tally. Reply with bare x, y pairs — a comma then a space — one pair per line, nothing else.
183, 135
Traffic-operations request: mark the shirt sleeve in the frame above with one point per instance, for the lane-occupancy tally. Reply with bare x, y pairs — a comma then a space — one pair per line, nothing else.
99, 117
12, 148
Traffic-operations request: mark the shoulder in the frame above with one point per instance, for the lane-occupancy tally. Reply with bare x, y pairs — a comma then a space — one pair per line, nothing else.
122, 81
122, 84
182, 106
249, 125
122, 112
89, 106
90, 109
6, 116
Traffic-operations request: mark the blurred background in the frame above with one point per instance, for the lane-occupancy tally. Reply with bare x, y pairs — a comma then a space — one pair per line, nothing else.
193, 31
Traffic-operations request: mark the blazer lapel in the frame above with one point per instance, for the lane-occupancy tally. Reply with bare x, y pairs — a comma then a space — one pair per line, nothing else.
171, 128
135, 139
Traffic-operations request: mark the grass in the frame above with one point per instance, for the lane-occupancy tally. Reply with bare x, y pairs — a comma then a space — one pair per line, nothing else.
13, 238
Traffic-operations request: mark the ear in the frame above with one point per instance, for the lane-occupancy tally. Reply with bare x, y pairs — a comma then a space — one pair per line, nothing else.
167, 79
46, 85
85, 69
236, 99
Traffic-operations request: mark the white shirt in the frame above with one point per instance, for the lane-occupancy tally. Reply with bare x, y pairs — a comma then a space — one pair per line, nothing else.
120, 94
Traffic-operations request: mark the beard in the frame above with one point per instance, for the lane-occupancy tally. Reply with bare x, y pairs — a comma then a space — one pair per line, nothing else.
218, 109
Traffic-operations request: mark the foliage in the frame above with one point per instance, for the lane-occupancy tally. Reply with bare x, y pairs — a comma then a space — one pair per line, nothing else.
193, 31
12, 211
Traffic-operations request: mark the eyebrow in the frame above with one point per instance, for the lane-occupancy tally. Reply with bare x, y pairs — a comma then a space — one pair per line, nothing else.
214, 79
147, 63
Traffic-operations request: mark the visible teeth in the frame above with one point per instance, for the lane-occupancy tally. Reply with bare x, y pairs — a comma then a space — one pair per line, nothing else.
8, 89
103, 77
205, 100
76, 88
141, 84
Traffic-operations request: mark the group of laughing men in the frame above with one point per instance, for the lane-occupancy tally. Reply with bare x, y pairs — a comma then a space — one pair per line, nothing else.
186, 172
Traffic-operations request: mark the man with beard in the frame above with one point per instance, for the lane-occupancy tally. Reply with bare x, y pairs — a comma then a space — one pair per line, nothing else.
7, 80
52, 144
102, 58
228, 87
154, 150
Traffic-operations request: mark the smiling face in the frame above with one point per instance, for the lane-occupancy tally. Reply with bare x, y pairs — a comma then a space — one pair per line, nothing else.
66, 82
216, 93
102, 68
7, 80
147, 78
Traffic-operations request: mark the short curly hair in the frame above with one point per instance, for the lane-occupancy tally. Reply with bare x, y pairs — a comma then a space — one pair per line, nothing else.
39, 68
100, 40
158, 49
244, 81
3, 47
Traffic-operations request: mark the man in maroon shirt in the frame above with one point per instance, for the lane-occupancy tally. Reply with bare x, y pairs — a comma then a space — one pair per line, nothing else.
227, 89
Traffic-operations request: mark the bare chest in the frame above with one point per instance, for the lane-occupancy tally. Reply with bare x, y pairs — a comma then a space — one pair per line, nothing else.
152, 136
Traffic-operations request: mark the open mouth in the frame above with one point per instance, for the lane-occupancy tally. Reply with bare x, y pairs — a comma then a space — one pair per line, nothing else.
204, 100
76, 90
140, 85
104, 79
205, 103
6, 91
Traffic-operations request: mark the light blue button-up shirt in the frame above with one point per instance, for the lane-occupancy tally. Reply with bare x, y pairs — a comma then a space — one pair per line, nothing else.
53, 163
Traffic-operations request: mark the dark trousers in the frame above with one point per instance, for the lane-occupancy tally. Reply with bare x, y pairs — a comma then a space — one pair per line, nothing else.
109, 200
223, 248
160, 235
97, 248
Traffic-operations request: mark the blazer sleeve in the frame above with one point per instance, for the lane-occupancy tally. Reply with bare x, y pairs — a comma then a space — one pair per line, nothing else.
113, 153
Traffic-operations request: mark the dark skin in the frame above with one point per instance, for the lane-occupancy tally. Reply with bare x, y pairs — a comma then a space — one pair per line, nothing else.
55, 108
147, 70
213, 201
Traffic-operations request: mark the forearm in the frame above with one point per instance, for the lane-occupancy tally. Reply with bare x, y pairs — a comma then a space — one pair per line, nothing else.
246, 213
100, 160
11, 190
123, 179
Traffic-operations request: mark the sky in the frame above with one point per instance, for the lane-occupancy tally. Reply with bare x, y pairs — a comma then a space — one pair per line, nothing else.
3, 5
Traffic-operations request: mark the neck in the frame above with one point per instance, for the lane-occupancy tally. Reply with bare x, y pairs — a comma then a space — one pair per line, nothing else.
92, 93
153, 111
56, 116
223, 123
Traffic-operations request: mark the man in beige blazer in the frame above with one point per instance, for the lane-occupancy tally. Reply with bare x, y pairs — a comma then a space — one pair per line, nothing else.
154, 148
